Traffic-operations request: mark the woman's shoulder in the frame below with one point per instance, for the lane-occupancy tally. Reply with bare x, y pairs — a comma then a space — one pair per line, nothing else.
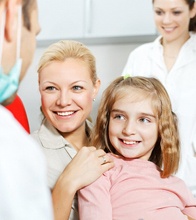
48, 136
35, 134
146, 47
141, 50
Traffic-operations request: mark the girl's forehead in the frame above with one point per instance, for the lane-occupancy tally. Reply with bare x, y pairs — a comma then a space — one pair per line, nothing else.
133, 94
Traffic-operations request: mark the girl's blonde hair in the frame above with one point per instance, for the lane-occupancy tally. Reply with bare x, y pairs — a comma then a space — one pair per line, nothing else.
65, 49
166, 152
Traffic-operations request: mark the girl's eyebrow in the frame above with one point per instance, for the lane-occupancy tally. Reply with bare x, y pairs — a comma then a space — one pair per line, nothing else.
117, 110
148, 114
140, 113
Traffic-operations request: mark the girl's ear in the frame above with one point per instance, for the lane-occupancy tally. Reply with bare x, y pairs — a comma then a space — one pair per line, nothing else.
11, 19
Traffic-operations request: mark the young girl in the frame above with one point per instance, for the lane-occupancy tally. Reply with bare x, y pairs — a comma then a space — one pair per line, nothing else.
136, 124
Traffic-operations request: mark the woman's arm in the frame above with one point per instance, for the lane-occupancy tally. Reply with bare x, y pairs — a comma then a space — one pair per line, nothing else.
85, 168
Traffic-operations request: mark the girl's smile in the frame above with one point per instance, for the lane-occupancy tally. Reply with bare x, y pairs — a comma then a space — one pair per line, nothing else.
133, 129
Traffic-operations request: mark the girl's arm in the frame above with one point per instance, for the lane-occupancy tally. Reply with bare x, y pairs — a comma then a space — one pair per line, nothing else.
84, 169
95, 200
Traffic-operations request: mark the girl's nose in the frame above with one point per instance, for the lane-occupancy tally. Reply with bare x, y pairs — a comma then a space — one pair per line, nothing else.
129, 128
64, 99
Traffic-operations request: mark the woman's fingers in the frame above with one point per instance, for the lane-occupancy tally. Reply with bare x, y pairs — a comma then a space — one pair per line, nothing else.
103, 157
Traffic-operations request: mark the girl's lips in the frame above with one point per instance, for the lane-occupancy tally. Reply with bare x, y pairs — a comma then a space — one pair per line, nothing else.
131, 142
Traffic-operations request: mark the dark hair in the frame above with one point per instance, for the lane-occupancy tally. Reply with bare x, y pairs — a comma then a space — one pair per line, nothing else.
27, 6
192, 23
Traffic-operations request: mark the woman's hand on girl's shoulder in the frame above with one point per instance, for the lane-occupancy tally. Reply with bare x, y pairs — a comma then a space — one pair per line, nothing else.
87, 166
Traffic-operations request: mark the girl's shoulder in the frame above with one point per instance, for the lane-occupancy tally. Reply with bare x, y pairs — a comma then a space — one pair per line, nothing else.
122, 163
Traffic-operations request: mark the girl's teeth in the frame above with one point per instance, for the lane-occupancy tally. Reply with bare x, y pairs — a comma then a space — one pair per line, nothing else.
130, 142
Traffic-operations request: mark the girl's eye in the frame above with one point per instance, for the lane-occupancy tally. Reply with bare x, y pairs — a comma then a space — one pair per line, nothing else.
145, 120
119, 117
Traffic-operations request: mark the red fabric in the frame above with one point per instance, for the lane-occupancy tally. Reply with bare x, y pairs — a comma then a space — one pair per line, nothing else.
18, 110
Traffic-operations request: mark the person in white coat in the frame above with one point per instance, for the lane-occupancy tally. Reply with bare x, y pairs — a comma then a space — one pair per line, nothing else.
171, 58
23, 183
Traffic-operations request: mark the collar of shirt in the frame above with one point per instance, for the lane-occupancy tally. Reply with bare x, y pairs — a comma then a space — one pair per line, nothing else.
50, 137
186, 55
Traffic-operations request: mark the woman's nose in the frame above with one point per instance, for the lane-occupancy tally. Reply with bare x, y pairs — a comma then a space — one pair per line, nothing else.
64, 99
167, 18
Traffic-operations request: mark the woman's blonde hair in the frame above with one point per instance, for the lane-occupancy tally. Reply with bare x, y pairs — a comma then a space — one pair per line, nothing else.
65, 49
166, 152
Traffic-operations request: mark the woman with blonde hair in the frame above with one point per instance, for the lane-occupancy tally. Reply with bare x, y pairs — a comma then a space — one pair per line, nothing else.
68, 84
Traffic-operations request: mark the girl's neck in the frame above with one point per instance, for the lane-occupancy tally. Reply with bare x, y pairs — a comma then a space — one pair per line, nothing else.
77, 138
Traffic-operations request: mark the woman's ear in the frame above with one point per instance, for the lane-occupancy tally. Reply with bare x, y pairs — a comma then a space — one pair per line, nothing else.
11, 19
96, 88
193, 11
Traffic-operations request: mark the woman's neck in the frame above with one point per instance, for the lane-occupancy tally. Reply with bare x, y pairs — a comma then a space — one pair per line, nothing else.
171, 50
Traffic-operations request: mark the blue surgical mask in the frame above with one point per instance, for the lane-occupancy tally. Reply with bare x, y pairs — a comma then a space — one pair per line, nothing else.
9, 82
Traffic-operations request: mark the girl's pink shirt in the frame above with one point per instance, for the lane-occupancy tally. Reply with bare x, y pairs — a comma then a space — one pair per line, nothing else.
134, 190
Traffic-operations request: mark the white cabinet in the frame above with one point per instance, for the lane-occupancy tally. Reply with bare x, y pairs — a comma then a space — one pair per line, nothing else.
61, 19
114, 18
69, 19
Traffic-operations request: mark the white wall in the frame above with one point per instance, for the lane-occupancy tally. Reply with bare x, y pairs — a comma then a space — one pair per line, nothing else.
110, 63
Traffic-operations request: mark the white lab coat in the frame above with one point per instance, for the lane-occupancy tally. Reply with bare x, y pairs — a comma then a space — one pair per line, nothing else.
180, 82
23, 183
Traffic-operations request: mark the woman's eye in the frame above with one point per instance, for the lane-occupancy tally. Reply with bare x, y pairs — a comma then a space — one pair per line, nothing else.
77, 88
158, 12
177, 12
50, 88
